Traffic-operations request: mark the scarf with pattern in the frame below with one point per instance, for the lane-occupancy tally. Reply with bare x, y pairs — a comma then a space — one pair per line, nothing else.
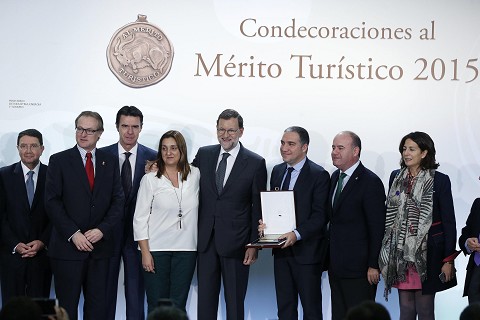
408, 219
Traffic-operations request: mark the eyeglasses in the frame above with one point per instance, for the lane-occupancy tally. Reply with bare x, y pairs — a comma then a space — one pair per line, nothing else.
230, 132
89, 132
25, 147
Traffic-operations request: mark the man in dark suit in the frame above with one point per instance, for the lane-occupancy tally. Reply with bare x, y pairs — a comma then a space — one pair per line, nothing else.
469, 244
357, 222
25, 227
84, 200
129, 123
298, 265
230, 184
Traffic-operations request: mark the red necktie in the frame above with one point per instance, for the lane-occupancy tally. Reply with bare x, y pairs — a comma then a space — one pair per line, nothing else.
89, 169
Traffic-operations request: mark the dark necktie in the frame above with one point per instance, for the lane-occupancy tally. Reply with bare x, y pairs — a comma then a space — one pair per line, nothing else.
126, 174
339, 187
30, 187
288, 177
89, 170
220, 174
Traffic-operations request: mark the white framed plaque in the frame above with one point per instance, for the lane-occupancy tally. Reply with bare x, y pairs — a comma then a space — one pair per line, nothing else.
278, 215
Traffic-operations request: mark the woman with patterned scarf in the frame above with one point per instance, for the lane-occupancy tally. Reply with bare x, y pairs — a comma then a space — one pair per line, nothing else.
418, 248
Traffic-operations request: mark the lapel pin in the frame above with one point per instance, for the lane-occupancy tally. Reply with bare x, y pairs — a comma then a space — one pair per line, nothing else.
103, 163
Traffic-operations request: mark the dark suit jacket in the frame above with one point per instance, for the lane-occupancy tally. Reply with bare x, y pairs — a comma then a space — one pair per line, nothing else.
442, 235
20, 223
357, 224
310, 192
234, 214
71, 205
471, 230
143, 154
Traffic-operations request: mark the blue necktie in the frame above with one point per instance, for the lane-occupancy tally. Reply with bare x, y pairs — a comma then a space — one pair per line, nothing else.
30, 187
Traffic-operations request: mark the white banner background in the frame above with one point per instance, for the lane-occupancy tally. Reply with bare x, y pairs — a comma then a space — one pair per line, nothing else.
54, 66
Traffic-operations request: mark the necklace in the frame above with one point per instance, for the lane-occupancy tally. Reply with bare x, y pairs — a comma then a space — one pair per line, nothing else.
179, 200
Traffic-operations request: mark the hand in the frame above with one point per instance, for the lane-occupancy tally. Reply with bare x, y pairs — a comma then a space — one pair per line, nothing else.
473, 245
81, 242
373, 276
449, 270
151, 166
33, 247
147, 262
60, 314
261, 228
22, 248
250, 256
291, 238
94, 235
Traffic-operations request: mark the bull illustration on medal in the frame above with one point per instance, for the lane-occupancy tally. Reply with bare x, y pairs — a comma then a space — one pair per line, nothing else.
140, 54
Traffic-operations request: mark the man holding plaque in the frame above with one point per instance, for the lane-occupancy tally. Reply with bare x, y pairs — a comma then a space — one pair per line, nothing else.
298, 263
357, 221
230, 184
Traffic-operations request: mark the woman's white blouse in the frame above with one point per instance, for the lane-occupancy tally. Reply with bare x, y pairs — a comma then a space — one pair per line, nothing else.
156, 212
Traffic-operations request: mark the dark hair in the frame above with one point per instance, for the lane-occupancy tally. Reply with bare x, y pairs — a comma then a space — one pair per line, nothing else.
129, 111
167, 313
21, 308
424, 142
471, 312
302, 133
91, 114
356, 142
368, 310
182, 165
229, 114
31, 133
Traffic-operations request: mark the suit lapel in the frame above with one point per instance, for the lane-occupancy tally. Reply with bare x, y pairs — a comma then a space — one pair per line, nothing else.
19, 184
304, 173
42, 171
79, 168
277, 177
213, 159
352, 181
237, 169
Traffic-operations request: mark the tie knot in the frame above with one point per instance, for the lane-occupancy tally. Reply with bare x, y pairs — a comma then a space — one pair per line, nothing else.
290, 169
225, 155
343, 175
127, 155
30, 173
89, 155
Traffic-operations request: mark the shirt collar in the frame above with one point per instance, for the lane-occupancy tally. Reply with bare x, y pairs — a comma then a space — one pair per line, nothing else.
299, 165
133, 151
233, 153
26, 170
350, 170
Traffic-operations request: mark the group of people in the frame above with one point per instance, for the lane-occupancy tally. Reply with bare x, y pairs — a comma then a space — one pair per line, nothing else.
162, 216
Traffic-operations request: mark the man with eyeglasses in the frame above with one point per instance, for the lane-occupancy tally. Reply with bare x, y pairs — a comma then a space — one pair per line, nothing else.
84, 200
230, 184
25, 227
132, 158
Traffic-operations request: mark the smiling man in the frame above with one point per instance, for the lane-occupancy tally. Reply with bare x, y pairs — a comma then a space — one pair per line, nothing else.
298, 265
85, 202
25, 226
231, 178
357, 222
132, 157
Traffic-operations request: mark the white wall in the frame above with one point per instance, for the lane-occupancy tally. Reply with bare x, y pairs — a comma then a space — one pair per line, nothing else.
54, 65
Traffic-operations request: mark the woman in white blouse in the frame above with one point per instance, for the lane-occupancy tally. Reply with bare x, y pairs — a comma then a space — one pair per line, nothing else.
165, 223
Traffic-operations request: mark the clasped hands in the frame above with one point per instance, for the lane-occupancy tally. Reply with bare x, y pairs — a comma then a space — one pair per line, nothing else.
85, 241
30, 249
